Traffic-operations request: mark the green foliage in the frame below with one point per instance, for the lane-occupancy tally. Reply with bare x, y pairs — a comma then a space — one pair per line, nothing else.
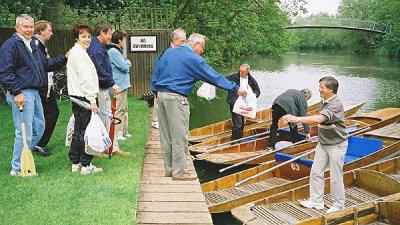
236, 28
384, 11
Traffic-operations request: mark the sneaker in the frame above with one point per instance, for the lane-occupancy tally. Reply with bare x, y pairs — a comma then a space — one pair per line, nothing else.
42, 151
76, 167
155, 125
185, 176
333, 209
128, 135
270, 149
309, 204
15, 173
90, 169
122, 153
121, 138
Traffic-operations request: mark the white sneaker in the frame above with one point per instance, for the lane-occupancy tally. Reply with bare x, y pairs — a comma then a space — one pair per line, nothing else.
128, 135
155, 124
15, 173
76, 167
333, 209
121, 138
90, 169
309, 204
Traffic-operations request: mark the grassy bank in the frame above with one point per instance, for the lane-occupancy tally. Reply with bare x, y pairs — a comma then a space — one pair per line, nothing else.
57, 196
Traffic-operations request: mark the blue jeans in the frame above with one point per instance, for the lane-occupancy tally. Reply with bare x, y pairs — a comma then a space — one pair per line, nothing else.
34, 124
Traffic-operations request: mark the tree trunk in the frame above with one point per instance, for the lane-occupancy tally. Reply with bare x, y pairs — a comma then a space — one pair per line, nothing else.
52, 13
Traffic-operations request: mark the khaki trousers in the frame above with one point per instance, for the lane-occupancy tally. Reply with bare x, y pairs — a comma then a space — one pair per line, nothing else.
173, 114
122, 113
105, 103
332, 156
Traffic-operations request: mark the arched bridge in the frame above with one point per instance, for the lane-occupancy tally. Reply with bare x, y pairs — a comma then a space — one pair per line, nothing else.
340, 23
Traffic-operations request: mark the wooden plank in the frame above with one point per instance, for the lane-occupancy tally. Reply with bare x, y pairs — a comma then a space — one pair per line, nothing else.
174, 218
171, 197
164, 180
172, 207
170, 188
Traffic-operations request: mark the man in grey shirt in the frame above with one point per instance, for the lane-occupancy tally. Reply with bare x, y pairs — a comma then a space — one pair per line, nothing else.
292, 102
331, 148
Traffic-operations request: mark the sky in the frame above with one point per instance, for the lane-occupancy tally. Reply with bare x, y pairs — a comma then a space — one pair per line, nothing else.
317, 6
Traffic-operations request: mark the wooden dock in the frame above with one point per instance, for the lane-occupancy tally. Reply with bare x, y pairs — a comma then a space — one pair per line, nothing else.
164, 201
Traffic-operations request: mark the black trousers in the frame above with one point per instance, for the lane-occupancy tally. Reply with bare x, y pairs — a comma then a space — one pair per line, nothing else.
237, 125
277, 113
77, 152
51, 113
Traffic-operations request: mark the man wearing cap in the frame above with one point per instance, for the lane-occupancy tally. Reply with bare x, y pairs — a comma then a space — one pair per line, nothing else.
292, 102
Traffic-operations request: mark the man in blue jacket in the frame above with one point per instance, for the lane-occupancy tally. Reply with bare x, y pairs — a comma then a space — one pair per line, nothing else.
98, 53
173, 78
22, 74
246, 81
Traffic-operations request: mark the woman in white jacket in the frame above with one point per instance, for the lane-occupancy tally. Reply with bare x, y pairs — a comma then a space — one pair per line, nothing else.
82, 84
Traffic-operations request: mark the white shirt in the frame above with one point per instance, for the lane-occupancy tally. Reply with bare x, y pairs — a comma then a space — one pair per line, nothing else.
82, 76
26, 41
244, 83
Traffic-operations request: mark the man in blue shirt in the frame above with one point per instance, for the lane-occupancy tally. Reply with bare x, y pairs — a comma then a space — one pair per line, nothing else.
173, 78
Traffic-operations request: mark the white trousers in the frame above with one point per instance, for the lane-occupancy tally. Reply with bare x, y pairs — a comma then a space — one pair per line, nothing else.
332, 156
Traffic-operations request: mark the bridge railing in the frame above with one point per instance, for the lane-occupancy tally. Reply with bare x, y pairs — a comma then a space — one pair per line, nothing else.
342, 22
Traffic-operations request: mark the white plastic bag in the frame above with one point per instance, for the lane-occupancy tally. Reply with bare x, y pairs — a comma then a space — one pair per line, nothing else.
246, 106
96, 137
206, 91
70, 131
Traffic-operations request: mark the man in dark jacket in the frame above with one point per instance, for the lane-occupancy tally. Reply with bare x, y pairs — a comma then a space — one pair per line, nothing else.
22, 74
292, 102
243, 79
43, 33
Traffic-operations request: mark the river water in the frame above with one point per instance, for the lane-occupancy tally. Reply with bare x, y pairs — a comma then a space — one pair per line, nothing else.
369, 78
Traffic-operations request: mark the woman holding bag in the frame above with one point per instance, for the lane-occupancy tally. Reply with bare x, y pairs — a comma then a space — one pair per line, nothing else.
246, 81
82, 84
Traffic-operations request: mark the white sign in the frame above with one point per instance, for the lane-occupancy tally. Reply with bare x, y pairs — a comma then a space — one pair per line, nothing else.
143, 43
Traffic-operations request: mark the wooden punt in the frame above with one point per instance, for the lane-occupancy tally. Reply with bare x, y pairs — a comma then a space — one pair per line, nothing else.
208, 145
362, 187
222, 195
384, 211
232, 154
224, 128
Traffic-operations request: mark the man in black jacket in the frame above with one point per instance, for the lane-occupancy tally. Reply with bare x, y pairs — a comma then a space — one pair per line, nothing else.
292, 102
43, 33
245, 81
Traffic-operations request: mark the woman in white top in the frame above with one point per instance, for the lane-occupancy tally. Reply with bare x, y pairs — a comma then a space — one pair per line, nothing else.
82, 84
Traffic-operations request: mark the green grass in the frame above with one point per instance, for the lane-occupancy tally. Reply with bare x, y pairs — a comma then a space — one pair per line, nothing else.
57, 196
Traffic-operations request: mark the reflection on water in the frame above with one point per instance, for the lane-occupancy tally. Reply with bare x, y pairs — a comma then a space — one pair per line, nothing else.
373, 79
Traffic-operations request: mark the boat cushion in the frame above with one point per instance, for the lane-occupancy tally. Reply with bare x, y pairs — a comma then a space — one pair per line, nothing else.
360, 147
282, 157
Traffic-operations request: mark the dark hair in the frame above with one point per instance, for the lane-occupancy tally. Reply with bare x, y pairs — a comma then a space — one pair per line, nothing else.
79, 28
117, 36
101, 26
331, 83
41, 25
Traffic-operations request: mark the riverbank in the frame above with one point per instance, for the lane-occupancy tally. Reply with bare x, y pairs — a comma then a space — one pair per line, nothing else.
57, 196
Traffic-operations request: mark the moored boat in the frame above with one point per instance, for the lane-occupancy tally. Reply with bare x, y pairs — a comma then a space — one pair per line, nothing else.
224, 128
361, 188
236, 153
253, 134
222, 195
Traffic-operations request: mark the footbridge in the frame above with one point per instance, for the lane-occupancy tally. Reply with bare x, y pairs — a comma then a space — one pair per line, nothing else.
340, 23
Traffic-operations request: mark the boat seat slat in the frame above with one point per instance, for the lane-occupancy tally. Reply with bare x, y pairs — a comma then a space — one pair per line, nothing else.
266, 216
290, 211
360, 195
235, 192
214, 197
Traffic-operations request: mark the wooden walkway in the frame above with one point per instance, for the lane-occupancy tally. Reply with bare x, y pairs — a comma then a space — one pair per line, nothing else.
164, 201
